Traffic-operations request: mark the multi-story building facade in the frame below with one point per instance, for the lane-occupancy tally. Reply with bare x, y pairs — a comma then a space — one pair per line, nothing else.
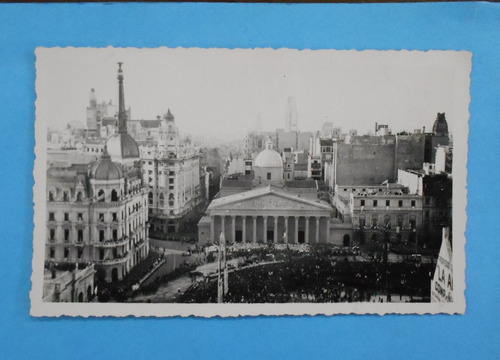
171, 170
97, 213
372, 208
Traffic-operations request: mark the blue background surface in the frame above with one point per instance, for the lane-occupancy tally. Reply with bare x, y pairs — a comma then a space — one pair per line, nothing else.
459, 26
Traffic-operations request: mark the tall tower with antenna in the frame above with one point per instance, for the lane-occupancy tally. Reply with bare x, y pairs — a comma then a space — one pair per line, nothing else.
291, 115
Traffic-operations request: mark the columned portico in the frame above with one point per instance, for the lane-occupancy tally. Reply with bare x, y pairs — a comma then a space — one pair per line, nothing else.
265, 214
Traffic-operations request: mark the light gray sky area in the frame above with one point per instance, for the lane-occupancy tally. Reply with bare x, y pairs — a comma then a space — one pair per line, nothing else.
223, 92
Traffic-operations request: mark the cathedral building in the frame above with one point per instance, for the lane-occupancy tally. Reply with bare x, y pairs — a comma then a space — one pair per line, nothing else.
97, 213
268, 208
171, 170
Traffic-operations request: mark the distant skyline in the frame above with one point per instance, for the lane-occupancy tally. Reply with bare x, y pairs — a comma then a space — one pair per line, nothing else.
225, 93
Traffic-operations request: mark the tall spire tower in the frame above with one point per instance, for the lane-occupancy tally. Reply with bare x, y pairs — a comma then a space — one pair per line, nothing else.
121, 146
122, 114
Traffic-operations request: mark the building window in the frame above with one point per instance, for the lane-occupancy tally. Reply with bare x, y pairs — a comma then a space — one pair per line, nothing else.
171, 180
115, 234
171, 187
66, 216
66, 253
51, 216
101, 217
65, 196
52, 252
79, 216
388, 203
80, 253
52, 234
362, 203
400, 203
426, 214
413, 203
79, 196
66, 235
114, 195
150, 198
374, 203
80, 235
268, 176
101, 235
114, 216
101, 254
100, 196
51, 196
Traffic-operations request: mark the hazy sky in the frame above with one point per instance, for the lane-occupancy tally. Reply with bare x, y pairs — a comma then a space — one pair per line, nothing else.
221, 92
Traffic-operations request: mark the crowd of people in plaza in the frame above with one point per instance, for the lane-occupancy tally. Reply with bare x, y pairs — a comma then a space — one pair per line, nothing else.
313, 275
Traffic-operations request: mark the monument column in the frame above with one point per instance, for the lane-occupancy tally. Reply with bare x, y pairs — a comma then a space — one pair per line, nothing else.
254, 229
275, 229
296, 230
317, 230
244, 229
307, 229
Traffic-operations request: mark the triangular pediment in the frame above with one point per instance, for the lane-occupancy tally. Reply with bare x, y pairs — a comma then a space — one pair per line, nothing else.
269, 200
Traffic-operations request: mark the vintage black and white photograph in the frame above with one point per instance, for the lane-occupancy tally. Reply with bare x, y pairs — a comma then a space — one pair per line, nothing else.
233, 182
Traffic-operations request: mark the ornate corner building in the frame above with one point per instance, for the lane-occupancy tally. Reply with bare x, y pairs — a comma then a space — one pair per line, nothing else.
171, 170
97, 213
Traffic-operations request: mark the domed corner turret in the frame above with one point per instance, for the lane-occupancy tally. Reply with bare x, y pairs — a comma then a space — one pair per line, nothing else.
105, 169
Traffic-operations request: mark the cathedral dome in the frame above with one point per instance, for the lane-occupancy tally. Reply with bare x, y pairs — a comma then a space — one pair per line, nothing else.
268, 158
105, 169
122, 146
440, 125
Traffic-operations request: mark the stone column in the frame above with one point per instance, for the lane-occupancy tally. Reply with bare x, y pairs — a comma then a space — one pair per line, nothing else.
233, 228
328, 230
222, 225
244, 224
286, 229
317, 230
265, 229
254, 229
212, 228
275, 229
307, 229
296, 230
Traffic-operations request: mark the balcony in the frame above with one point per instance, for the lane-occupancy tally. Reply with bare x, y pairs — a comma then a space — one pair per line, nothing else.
112, 243
113, 261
